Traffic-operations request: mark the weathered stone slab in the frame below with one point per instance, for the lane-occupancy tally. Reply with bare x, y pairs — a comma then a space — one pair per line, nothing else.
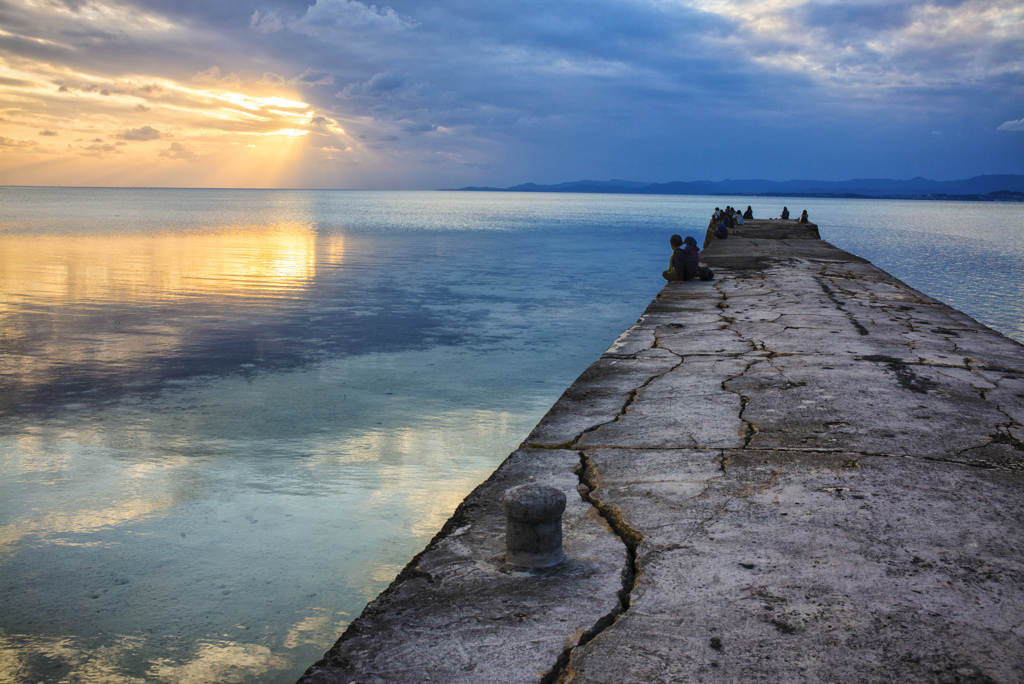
685, 407
782, 566
833, 403
633, 341
687, 339
597, 396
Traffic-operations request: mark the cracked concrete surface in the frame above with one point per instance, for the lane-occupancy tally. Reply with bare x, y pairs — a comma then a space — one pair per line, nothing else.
801, 471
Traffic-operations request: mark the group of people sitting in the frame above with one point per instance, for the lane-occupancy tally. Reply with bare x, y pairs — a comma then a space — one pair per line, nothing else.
731, 217
803, 217
685, 262
727, 219
734, 214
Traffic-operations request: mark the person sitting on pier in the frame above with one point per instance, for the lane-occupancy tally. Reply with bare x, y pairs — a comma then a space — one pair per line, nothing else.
721, 232
749, 213
670, 275
690, 259
785, 213
803, 217
737, 218
684, 262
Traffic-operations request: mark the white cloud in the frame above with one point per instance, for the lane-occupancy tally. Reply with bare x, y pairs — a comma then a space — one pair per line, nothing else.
271, 79
213, 75
266, 22
913, 43
379, 84
328, 18
179, 150
144, 133
1017, 125
312, 77
112, 17
9, 142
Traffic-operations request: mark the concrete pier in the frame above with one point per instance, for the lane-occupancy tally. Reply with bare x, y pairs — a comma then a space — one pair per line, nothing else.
801, 471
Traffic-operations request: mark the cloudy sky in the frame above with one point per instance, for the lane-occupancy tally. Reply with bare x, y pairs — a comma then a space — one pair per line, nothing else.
445, 93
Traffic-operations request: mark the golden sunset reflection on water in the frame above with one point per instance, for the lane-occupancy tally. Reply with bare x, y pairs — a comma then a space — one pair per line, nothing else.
62, 270
78, 300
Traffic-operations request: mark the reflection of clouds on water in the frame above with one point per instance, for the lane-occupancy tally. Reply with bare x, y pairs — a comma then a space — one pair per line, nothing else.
125, 495
53, 527
129, 659
81, 312
68, 660
192, 513
320, 629
218, 661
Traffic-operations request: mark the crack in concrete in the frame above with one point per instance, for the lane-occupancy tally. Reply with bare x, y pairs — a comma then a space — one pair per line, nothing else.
978, 365
840, 306
568, 446
723, 463
589, 477
1007, 438
790, 383
751, 428
726, 459
631, 397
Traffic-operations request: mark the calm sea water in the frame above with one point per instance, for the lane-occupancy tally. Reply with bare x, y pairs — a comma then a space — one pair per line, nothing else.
229, 418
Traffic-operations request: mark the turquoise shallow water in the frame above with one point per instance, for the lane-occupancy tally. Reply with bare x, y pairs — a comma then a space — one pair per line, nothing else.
228, 418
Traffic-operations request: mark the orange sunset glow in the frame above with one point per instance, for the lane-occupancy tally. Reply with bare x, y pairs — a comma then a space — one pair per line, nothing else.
63, 126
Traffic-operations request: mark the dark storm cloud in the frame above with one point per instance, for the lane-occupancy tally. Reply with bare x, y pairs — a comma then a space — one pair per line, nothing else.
855, 19
379, 84
633, 75
490, 66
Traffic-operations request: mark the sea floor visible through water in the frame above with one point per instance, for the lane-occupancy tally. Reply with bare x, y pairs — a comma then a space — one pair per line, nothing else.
229, 418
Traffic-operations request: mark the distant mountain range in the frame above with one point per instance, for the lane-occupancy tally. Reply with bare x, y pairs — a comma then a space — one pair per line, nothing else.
1005, 187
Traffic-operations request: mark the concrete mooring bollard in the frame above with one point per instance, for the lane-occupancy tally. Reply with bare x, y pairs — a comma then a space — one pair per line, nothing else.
533, 525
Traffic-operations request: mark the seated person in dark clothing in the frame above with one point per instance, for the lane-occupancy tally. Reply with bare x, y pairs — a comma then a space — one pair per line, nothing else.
749, 213
803, 217
677, 242
684, 261
690, 260
785, 213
